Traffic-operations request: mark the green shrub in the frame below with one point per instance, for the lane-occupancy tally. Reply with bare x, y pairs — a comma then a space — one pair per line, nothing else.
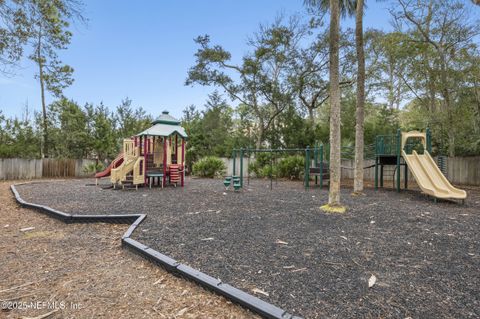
259, 167
291, 167
268, 171
93, 168
209, 166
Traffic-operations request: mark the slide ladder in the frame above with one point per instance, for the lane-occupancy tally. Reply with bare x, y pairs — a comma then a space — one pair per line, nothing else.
131, 171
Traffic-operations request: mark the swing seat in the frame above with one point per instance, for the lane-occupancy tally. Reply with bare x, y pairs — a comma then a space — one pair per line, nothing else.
227, 181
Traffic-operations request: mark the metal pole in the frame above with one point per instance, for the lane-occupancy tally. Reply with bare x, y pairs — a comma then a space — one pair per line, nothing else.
315, 161
183, 161
164, 161
381, 175
248, 169
241, 167
145, 155
321, 165
234, 155
271, 171
399, 151
307, 167
376, 162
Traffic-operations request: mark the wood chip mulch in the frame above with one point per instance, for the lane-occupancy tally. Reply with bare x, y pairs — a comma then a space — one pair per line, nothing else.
49, 269
391, 255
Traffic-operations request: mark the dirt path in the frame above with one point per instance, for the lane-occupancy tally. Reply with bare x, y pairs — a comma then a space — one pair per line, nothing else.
81, 271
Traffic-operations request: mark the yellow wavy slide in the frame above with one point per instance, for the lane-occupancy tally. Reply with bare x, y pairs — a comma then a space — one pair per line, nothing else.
429, 177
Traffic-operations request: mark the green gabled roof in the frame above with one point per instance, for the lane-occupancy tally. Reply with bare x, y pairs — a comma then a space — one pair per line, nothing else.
166, 118
165, 126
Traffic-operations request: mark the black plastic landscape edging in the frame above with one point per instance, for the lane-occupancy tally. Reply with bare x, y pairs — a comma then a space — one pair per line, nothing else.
254, 304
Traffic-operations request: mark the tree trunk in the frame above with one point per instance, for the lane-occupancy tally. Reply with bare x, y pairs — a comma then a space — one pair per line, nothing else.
258, 142
311, 116
359, 142
335, 138
44, 144
44, 111
448, 105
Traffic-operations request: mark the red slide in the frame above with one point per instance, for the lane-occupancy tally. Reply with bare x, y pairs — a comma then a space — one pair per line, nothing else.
115, 163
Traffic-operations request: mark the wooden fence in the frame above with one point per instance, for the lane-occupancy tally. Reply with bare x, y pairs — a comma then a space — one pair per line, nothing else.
460, 170
19, 168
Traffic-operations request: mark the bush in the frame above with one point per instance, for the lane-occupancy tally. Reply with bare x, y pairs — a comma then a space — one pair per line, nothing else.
261, 166
209, 166
93, 168
291, 167
268, 171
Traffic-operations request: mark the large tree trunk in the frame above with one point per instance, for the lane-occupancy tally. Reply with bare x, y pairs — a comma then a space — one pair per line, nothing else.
44, 144
359, 143
335, 138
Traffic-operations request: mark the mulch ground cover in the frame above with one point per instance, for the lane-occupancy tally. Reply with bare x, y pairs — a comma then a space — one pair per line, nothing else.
49, 269
277, 244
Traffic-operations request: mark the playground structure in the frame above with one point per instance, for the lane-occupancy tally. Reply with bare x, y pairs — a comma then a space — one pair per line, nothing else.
410, 150
156, 154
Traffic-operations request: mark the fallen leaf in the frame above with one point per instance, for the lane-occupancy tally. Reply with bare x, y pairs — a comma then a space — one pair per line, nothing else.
159, 281
258, 291
371, 281
181, 312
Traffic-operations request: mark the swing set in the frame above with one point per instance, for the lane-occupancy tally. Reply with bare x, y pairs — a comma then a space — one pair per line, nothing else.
384, 152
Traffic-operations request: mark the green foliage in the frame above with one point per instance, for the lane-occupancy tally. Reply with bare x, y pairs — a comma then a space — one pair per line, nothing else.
214, 131
291, 167
265, 166
209, 166
259, 166
67, 132
18, 138
131, 121
93, 168
417, 77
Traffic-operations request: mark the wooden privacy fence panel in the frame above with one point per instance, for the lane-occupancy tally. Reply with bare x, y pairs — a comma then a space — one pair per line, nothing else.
464, 170
58, 167
19, 168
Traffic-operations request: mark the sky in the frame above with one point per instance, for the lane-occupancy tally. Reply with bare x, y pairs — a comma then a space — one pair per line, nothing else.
143, 50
